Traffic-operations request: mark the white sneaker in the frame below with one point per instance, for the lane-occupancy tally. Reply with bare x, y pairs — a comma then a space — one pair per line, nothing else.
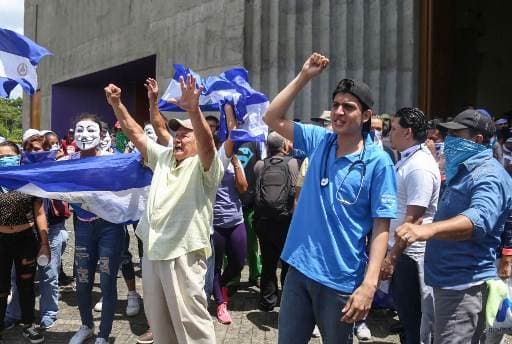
363, 332
82, 335
133, 305
316, 332
98, 306
101, 341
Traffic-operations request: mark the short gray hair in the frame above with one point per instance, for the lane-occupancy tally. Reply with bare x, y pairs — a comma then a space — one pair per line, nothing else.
275, 142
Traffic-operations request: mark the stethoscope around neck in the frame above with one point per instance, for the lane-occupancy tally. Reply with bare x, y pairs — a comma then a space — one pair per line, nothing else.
324, 181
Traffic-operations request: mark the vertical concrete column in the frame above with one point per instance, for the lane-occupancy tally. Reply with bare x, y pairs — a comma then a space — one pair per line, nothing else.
304, 47
355, 45
337, 41
320, 98
408, 58
372, 48
389, 51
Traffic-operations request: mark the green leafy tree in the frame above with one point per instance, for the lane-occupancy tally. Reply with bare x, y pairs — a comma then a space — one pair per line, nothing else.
10, 119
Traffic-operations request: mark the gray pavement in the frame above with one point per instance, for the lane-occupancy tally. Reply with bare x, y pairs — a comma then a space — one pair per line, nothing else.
249, 324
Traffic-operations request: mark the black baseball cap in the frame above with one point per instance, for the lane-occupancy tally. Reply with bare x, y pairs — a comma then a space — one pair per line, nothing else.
358, 89
471, 119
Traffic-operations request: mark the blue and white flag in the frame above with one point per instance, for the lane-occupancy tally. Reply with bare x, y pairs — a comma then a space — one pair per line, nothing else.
19, 57
230, 87
113, 187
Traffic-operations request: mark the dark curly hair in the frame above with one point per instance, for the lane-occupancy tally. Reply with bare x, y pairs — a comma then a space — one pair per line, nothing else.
414, 118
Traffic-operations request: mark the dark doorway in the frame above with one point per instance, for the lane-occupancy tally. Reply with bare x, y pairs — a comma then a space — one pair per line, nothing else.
466, 56
85, 94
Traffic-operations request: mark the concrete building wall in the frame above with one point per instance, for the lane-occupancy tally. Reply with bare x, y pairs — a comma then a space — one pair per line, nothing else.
373, 40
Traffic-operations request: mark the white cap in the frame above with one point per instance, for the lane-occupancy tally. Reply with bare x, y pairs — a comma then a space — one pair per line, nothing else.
29, 133
2, 139
44, 132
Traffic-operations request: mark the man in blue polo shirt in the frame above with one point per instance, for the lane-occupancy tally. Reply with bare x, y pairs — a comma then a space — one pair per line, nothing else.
463, 239
349, 192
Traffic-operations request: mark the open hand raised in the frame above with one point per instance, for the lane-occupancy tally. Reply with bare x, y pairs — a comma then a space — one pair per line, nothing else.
152, 87
189, 100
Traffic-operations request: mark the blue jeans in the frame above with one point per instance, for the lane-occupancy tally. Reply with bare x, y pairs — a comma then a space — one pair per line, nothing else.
126, 258
95, 241
305, 303
48, 279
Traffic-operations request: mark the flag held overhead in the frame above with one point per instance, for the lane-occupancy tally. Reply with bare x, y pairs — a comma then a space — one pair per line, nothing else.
19, 57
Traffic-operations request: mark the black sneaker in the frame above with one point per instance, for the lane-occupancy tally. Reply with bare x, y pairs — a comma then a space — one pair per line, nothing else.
32, 335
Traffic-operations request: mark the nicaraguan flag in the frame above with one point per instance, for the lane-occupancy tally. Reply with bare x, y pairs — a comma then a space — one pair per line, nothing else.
19, 57
114, 187
230, 87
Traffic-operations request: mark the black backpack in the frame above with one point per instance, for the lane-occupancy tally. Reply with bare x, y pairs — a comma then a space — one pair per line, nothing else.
274, 189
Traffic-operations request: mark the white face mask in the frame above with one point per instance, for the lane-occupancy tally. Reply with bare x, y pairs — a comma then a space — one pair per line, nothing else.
55, 147
378, 134
150, 132
87, 134
106, 142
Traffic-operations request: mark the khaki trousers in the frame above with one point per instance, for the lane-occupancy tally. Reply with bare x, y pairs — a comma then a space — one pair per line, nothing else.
175, 301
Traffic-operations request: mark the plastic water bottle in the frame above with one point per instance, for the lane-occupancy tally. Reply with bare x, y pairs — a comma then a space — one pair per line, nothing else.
43, 260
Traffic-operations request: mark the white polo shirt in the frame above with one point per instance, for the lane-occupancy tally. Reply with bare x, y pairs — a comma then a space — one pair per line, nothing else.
418, 183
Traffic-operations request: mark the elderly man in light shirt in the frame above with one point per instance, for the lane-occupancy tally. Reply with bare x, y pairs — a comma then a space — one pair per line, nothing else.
175, 228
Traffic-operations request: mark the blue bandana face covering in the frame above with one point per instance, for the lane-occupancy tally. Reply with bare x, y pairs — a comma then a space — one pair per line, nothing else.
8, 161
457, 150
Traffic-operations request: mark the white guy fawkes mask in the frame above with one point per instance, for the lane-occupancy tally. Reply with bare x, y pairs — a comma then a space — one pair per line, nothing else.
150, 132
87, 134
106, 142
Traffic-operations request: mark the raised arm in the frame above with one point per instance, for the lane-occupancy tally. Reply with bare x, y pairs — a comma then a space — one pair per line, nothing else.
189, 101
157, 119
129, 126
275, 117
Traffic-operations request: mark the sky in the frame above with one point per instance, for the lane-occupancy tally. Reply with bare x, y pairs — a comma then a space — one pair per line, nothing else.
11, 17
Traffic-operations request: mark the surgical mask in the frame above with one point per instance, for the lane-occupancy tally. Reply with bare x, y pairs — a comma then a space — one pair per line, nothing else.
55, 147
87, 134
150, 132
456, 151
8, 161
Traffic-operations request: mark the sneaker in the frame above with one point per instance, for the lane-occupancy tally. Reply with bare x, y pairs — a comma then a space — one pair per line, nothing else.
146, 338
68, 288
133, 304
9, 323
225, 295
363, 332
82, 335
100, 341
32, 335
98, 306
316, 332
223, 314
46, 323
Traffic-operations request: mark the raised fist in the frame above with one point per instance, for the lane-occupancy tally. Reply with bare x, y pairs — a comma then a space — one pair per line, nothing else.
314, 65
113, 94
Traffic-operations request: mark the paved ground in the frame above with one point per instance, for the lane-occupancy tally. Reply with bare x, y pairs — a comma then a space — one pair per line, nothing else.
249, 324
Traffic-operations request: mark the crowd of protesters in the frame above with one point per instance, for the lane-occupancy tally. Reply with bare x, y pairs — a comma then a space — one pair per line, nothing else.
338, 206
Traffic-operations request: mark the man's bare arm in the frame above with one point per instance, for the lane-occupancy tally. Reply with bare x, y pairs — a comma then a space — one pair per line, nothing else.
275, 117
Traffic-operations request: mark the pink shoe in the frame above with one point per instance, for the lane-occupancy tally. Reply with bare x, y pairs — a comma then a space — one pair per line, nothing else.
223, 314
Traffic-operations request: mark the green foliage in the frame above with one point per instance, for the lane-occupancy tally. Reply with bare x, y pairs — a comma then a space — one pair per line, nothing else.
10, 119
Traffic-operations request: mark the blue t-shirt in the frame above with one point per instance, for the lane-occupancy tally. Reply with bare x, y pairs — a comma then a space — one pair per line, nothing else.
327, 238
